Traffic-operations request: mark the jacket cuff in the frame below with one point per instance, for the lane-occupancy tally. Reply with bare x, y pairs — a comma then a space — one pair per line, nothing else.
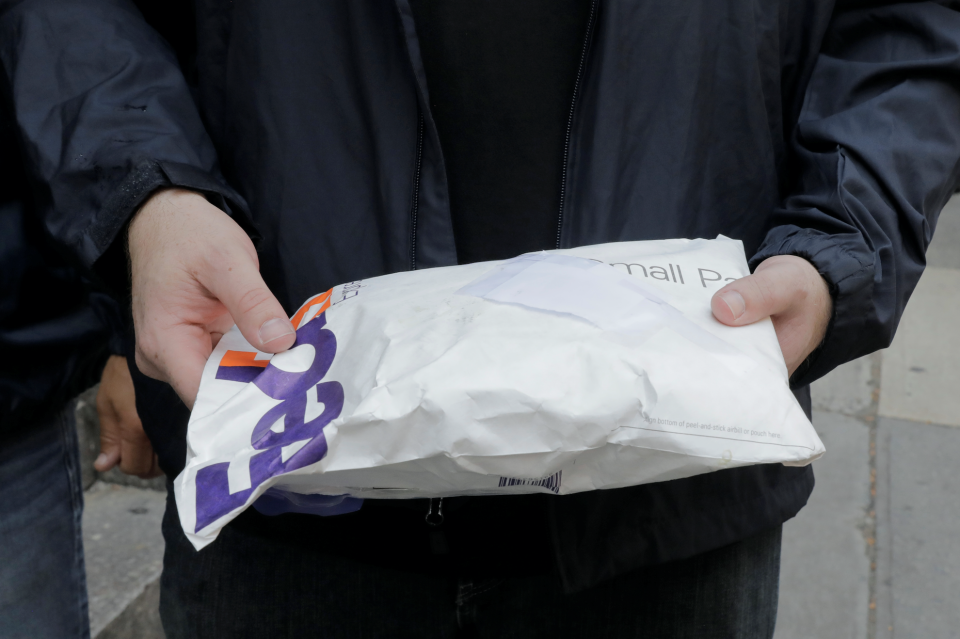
106, 241
147, 178
847, 266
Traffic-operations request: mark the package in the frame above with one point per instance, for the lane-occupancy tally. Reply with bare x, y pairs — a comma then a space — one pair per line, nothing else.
555, 372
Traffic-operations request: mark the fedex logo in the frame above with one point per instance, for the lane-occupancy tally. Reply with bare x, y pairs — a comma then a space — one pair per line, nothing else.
289, 435
243, 366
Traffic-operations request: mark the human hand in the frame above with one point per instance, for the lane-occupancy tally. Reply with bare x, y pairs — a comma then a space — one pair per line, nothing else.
790, 291
122, 439
194, 274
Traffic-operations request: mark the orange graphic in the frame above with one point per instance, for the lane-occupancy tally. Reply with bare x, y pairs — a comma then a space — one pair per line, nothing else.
246, 358
323, 299
243, 358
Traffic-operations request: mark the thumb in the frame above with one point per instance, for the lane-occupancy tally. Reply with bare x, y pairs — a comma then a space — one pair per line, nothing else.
109, 442
237, 283
754, 297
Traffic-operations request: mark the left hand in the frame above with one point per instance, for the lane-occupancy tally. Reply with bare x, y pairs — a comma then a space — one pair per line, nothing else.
790, 291
122, 440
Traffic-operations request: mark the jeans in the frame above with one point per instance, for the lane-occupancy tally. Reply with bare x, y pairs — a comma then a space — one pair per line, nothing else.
43, 588
243, 585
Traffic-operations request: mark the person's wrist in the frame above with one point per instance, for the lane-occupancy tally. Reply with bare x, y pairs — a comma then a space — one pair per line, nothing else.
155, 205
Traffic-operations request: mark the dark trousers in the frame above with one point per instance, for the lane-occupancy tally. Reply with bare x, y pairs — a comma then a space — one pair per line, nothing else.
43, 588
244, 585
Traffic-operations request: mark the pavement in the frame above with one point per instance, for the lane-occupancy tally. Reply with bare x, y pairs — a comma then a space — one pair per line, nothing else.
123, 549
872, 556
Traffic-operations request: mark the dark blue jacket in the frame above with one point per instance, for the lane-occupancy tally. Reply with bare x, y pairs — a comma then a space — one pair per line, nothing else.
56, 325
805, 127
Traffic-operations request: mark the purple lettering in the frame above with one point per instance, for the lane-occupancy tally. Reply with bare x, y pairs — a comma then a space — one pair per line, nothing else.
297, 443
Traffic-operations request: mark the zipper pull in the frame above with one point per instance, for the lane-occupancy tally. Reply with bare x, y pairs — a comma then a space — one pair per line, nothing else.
438, 540
434, 512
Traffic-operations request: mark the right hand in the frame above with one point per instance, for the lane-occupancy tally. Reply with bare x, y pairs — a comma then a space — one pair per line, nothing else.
194, 274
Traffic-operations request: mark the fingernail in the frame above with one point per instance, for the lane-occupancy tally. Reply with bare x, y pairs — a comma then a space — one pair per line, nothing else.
101, 459
734, 302
275, 329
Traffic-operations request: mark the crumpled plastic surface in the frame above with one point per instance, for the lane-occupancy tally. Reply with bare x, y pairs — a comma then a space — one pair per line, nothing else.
557, 372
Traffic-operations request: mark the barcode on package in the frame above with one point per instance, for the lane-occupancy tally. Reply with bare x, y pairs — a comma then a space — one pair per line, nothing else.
550, 483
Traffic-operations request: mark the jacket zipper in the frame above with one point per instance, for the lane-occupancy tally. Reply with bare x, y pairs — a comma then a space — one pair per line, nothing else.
416, 196
434, 515
434, 512
573, 105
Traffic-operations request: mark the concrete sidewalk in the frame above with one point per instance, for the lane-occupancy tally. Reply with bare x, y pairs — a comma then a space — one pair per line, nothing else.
124, 556
874, 553
122, 543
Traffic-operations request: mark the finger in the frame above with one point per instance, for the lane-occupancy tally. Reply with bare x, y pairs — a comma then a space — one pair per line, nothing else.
219, 327
236, 282
124, 395
753, 298
109, 444
136, 455
155, 470
127, 413
109, 434
221, 324
177, 356
107, 459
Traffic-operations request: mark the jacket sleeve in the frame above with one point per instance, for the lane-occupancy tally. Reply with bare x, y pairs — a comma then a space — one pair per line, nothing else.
877, 149
105, 117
